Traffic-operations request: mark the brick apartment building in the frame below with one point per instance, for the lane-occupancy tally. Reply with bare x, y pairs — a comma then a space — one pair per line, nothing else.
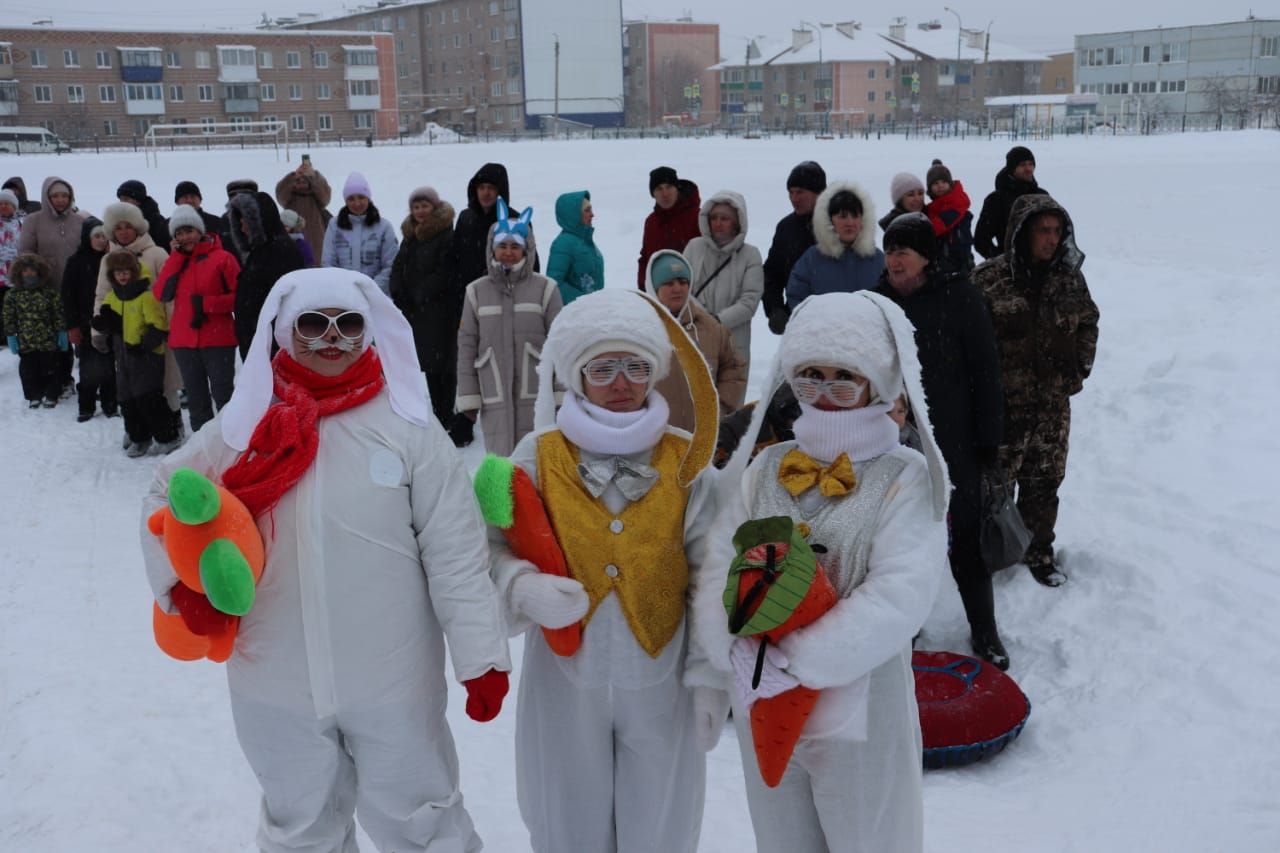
114, 84
667, 71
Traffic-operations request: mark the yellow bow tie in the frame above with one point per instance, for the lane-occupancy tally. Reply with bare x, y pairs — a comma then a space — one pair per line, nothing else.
799, 472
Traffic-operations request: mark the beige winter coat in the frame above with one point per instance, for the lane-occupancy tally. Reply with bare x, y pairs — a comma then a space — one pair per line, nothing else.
308, 205
51, 235
734, 293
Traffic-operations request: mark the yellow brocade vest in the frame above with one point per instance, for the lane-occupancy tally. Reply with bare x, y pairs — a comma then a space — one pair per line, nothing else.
637, 554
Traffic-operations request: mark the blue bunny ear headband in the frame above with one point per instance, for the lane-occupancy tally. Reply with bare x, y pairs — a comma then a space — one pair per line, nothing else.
510, 230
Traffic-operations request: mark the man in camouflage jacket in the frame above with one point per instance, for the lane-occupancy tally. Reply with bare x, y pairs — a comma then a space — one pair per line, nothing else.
1046, 326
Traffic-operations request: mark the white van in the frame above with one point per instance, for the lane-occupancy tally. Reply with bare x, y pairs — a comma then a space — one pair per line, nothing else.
30, 140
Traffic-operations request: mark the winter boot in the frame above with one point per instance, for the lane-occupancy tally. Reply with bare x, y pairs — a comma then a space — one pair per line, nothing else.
138, 448
986, 645
1044, 570
164, 448
84, 416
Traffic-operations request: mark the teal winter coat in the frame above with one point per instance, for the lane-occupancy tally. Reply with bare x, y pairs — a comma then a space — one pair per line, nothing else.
576, 265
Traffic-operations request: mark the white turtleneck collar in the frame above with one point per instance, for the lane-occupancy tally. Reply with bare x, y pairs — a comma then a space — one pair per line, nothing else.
863, 433
598, 430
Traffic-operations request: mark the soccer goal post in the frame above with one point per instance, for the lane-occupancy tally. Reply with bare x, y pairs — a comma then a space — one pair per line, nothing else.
215, 134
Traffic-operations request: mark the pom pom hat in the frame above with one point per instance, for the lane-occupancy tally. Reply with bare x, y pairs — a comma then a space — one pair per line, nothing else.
311, 290
185, 216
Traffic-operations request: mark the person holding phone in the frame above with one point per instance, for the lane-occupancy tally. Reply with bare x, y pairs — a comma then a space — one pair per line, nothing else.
307, 193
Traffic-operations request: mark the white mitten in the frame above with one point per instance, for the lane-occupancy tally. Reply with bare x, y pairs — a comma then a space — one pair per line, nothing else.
774, 680
549, 600
710, 710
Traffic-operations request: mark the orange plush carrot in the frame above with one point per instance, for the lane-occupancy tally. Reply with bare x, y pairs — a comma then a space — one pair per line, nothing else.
510, 502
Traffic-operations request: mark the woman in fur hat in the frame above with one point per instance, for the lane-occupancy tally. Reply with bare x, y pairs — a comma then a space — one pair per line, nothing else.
375, 554
610, 740
853, 782
845, 257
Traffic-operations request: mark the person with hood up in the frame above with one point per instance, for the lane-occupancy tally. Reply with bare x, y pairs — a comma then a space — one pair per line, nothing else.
668, 282
79, 283
471, 232
269, 254
1046, 325
53, 233
728, 275
199, 281
674, 220
791, 238
35, 328
877, 509
375, 557
948, 210
296, 227
961, 374
1016, 179
358, 238
19, 189
505, 318
306, 192
845, 257
908, 197
575, 262
134, 192
610, 740
423, 288
11, 216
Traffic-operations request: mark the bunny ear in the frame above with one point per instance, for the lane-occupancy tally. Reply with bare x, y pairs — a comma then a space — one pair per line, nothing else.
503, 214
526, 215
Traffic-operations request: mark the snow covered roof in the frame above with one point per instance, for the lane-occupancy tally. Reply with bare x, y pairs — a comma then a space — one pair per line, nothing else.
1026, 100
941, 44
178, 31
838, 47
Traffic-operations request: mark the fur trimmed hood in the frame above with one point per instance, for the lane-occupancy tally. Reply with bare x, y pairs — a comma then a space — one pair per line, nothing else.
441, 219
825, 233
35, 262
739, 204
259, 212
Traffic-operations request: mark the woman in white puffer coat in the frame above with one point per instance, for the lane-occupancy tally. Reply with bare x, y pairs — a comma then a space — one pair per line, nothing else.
728, 274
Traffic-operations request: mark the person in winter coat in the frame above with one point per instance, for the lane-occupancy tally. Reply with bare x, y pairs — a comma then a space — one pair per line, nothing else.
296, 227
53, 233
853, 782
948, 210
34, 326
306, 192
575, 262
471, 232
239, 186
79, 283
505, 318
269, 254
961, 374
845, 257
11, 217
19, 188
668, 282
908, 197
1015, 180
791, 238
674, 220
375, 557
138, 326
358, 238
1047, 328
728, 275
135, 192
199, 281
422, 287
188, 193
610, 740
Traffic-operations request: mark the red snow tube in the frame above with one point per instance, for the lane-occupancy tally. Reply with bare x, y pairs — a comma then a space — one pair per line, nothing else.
968, 709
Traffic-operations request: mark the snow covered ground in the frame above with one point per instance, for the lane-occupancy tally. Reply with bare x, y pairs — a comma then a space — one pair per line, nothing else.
1154, 723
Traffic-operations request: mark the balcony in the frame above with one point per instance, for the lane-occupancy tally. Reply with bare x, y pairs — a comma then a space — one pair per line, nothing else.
149, 107
364, 102
9, 97
241, 105
361, 63
240, 97
141, 64
142, 73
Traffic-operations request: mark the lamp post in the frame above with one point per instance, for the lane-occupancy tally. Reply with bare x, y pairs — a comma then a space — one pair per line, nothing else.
955, 75
826, 116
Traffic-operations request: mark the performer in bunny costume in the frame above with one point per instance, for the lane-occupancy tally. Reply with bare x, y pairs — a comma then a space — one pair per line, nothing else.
853, 782
375, 553
610, 740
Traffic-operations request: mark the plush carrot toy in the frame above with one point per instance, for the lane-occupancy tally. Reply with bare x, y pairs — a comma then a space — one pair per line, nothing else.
510, 502
216, 551
775, 586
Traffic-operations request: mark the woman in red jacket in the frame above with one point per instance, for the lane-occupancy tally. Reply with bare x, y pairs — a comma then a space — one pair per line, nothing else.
199, 278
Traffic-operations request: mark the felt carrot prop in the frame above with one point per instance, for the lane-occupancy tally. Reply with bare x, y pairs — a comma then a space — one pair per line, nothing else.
775, 586
217, 553
510, 502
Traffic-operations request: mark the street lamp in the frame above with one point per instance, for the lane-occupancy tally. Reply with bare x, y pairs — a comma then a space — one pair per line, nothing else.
955, 75
826, 118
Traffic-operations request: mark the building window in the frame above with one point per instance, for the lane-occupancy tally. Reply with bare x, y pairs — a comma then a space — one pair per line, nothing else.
495, 62
364, 121
324, 121
386, 24
266, 59
496, 115
175, 93
493, 7
399, 46
1176, 52
362, 57
298, 124
444, 68
272, 122
75, 94
240, 123
143, 92
359, 88
173, 59
204, 92
871, 74
1269, 46
511, 29
515, 114
1173, 85
1144, 88
37, 58
457, 38
513, 86
71, 58
204, 59
1269, 85
295, 91
455, 14
141, 126
206, 125
268, 91
293, 59
323, 92
236, 56
495, 89
109, 127
107, 94
871, 97
104, 59
320, 59
495, 34
181, 129
400, 22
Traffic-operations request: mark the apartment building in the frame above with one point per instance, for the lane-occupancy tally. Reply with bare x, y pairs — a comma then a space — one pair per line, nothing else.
113, 84
667, 72
1057, 76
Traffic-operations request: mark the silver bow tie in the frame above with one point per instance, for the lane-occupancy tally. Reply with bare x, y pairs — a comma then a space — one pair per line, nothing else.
633, 479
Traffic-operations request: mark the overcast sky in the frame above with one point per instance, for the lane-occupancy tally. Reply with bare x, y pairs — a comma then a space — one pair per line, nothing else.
1024, 23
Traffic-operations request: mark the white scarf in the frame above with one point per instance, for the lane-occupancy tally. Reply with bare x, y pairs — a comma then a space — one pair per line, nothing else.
863, 433
598, 430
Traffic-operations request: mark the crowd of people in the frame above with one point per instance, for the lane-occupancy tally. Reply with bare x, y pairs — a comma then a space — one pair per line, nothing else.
908, 384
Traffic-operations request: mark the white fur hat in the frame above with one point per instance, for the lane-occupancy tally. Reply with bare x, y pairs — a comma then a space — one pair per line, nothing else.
185, 216
122, 211
328, 287
605, 321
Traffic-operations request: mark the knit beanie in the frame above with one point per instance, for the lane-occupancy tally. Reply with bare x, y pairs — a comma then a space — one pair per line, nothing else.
903, 183
937, 172
808, 176
290, 219
845, 201
242, 185
122, 211
186, 188
123, 259
1018, 154
428, 194
133, 189
9, 196
670, 266
356, 185
912, 231
185, 216
662, 175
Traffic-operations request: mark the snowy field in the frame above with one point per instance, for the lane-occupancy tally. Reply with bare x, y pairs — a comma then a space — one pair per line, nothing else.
1154, 723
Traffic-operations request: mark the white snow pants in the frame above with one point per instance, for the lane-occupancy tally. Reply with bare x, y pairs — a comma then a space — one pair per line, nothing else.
396, 764
606, 769
841, 796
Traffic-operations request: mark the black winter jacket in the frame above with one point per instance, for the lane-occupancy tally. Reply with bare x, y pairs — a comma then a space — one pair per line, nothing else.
471, 233
791, 239
988, 237
268, 252
425, 291
80, 280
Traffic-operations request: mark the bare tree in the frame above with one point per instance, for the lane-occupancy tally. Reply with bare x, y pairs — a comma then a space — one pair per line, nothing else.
1225, 98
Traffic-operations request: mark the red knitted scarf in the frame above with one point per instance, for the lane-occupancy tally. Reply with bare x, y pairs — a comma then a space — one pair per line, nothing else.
285, 442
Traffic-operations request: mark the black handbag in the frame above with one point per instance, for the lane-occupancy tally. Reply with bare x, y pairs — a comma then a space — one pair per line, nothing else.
1003, 537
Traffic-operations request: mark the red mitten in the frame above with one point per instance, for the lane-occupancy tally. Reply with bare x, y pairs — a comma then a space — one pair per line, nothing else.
484, 695
200, 616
